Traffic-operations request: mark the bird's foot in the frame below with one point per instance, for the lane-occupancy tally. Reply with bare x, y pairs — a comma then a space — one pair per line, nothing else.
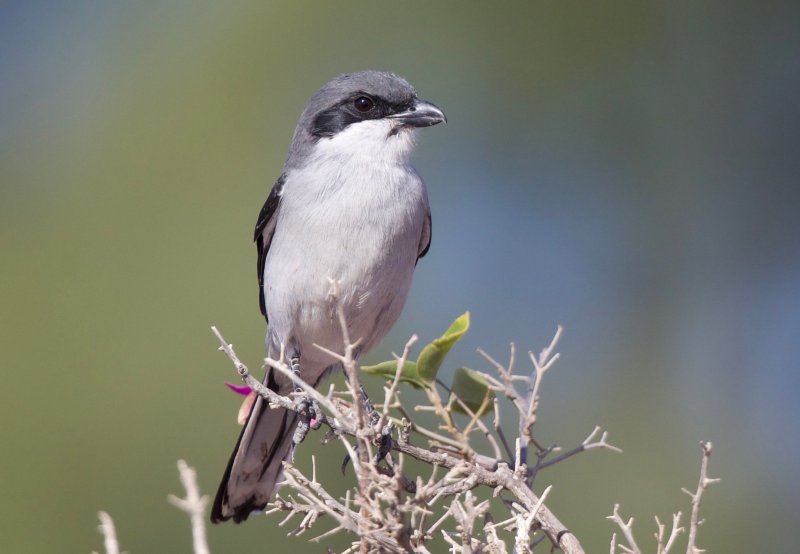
309, 413
310, 416
384, 440
385, 443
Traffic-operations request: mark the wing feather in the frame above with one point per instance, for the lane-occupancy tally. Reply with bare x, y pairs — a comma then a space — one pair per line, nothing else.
425, 239
265, 228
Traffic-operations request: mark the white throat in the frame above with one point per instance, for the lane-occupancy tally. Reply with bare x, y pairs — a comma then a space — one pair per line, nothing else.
373, 142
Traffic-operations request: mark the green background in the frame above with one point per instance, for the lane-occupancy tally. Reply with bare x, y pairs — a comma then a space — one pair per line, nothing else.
626, 169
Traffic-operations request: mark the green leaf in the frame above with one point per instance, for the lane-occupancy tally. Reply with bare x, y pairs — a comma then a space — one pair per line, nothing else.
432, 356
473, 390
389, 370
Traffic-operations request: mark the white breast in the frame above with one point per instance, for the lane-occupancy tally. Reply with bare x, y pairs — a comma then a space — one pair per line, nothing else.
354, 213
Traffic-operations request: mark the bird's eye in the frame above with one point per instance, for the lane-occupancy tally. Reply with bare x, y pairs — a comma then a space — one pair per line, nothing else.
363, 104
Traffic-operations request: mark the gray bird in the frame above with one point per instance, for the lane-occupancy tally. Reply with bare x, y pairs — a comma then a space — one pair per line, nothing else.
347, 206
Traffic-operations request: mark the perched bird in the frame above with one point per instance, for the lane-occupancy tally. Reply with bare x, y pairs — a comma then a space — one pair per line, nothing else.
347, 206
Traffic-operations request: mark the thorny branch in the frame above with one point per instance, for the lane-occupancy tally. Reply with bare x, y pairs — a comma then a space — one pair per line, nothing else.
697, 497
389, 511
665, 545
194, 505
109, 533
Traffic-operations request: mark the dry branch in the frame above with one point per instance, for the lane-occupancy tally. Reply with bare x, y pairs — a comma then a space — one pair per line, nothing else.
665, 546
109, 532
389, 511
194, 505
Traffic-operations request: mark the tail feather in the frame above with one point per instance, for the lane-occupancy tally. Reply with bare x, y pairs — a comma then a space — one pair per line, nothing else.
256, 465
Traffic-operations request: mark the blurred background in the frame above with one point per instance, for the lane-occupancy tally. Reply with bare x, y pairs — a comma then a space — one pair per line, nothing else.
628, 170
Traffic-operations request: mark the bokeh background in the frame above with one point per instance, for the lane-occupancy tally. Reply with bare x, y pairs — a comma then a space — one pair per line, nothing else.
626, 169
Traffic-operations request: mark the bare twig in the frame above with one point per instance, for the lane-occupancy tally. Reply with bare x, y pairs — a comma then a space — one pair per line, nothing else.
475, 420
109, 533
498, 428
274, 399
588, 444
627, 531
704, 482
530, 400
662, 547
665, 546
391, 391
194, 505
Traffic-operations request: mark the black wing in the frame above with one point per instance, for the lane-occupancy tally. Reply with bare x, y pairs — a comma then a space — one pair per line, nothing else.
265, 228
425, 239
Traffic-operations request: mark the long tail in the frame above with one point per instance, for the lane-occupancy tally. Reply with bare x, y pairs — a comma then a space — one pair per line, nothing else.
256, 465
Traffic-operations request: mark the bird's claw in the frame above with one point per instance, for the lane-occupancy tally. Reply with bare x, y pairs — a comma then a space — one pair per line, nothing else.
300, 432
310, 417
385, 443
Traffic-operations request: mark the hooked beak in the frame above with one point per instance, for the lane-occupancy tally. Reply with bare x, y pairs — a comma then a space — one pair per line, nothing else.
421, 114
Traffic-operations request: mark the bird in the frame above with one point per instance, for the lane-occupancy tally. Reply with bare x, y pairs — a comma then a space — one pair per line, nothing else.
349, 207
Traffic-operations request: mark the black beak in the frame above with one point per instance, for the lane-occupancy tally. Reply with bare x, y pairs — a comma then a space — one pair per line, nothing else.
421, 114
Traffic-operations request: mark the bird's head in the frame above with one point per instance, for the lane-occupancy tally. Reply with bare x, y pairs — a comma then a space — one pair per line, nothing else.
369, 112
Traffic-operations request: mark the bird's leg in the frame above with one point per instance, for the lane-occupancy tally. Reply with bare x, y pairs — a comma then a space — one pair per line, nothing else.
385, 441
372, 413
385, 444
309, 412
